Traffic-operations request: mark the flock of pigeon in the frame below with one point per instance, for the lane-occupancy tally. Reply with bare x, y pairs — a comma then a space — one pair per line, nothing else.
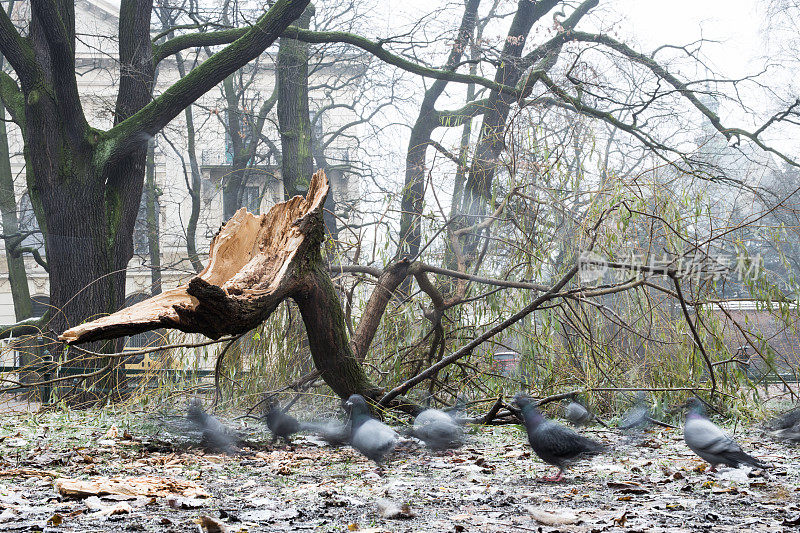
440, 430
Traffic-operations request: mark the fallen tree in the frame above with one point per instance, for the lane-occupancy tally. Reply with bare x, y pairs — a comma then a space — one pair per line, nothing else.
255, 263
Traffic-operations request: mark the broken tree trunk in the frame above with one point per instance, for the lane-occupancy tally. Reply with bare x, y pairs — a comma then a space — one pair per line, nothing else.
254, 263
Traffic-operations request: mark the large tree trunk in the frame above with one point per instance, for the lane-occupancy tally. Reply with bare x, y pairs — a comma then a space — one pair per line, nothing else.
86, 184
255, 262
293, 115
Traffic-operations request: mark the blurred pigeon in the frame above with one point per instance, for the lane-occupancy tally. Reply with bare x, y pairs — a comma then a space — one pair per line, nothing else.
280, 423
637, 418
334, 432
578, 415
459, 410
374, 439
709, 442
439, 430
786, 426
552, 442
790, 433
215, 435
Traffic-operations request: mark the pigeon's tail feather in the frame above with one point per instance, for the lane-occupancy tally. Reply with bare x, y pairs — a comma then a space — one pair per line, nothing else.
740, 457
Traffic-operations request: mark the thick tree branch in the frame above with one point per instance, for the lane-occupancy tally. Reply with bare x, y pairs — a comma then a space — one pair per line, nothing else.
457, 117
57, 23
388, 282
376, 49
682, 88
16, 50
133, 131
12, 98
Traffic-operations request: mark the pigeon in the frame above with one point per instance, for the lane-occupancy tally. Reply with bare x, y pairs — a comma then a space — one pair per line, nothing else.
637, 418
578, 415
709, 442
334, 432
280, 423
439, 430
787, 420
374, 439
786, 426
215, 435
790, 433
552, 442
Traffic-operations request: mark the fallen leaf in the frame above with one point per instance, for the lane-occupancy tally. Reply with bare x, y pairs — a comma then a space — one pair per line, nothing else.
552, 518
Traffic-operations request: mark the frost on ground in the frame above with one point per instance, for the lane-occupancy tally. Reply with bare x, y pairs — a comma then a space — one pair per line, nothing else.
86, 472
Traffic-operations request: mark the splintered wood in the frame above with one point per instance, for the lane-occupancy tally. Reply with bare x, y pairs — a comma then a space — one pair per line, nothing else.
249, 272
135, 486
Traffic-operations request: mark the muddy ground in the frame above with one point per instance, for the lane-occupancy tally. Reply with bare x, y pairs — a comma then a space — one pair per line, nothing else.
650, 484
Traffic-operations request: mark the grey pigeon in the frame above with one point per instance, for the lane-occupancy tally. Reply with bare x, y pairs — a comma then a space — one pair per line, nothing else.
552, 442
215, 436
374, 439
637, 418
786, 426
439, 430
577, 414
334, 432
790, 433
709, 442
280, 423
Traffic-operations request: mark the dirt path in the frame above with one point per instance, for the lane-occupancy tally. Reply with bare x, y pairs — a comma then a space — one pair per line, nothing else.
654, 484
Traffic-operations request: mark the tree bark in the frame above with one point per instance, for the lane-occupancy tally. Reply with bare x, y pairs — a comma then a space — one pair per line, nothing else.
294, 122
